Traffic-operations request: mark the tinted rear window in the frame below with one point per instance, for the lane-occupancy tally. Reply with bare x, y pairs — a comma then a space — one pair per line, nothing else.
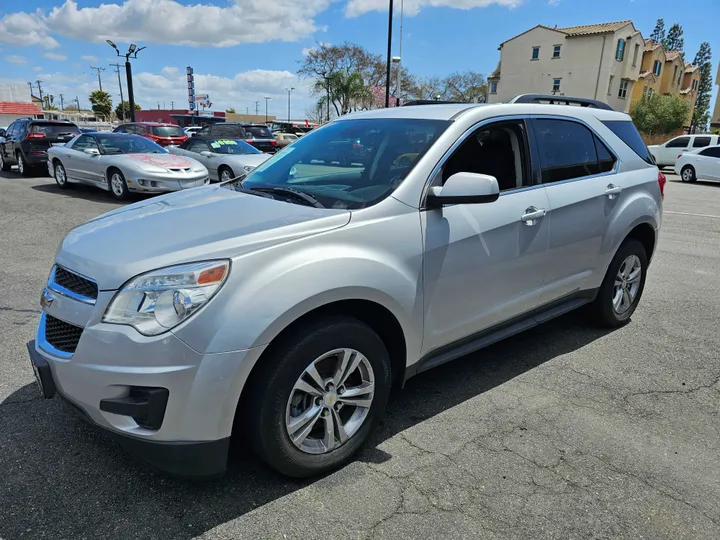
258, 132
55, 129
168, 131
629, 134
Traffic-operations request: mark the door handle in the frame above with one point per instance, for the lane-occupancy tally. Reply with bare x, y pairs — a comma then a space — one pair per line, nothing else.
532, 215
612, 191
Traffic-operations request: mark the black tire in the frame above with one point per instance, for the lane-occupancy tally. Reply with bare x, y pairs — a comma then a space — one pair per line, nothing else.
602, 309
225, 168
122, 189
265, 406
4, 165
689, 172
60, 175
23, 167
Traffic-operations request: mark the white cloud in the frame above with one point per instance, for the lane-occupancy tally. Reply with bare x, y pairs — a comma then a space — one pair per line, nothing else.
37, 68
90, 58
412, 7
13, 59
556, 2
170, 71
55, 56
308, 50
166, 22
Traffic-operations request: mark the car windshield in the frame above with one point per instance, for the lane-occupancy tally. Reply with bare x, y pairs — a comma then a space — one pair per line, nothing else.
128, 144
351, 163
168, 131
230, 146
258, 132
55, 129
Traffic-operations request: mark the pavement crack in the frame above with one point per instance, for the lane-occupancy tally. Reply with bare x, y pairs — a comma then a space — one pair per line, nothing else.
15, 310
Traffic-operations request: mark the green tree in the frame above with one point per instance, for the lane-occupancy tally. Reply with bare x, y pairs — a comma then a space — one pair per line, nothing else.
701, 114
660, 114
347, 90
658, 34
231, 110
122, 111
467, 87
101, 103
674, 40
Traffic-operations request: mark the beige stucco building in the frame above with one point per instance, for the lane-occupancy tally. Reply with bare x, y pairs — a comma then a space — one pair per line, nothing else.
715, 120
598, 61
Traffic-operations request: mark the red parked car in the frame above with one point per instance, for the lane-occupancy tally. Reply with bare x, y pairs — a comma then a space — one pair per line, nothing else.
162, 134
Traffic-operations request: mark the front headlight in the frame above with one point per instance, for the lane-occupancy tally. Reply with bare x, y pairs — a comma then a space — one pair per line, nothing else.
158, 301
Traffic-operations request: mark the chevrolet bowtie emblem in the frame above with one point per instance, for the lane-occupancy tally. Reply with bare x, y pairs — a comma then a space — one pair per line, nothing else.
46, 299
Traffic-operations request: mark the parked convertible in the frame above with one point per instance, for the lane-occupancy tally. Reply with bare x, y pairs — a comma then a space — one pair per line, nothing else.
120, 163
225, 159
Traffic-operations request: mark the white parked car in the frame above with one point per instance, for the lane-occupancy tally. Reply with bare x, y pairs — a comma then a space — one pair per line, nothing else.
700, 164
192, 130
667, 153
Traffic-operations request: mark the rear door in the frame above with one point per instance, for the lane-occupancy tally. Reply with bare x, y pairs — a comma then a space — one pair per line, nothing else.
673, 148
84, 166
578, 172
41, 136
708, 163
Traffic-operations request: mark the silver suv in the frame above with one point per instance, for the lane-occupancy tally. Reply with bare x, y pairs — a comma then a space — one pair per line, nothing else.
283, 307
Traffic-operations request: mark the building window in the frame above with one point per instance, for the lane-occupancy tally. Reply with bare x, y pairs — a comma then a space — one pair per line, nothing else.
556, 51
675, 73
694, 85
556, 85
644, 91
650, 92
535, 53
622, 92
493, 87
620, 51
657, 67
610, 85
635, 54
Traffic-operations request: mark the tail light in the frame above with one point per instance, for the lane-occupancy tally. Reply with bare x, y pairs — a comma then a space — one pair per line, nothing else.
273, 143
661, 182
35, 136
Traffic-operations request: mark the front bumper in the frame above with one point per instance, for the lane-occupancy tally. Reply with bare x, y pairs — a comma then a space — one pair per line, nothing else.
184, 459
148, 183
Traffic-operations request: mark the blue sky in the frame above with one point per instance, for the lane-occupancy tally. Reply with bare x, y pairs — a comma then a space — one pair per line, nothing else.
243, 50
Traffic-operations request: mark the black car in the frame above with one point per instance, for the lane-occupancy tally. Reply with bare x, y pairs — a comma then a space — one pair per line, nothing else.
259, 135
27, 141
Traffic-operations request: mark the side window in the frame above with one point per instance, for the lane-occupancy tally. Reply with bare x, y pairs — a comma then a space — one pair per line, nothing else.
680, 142
606, 159
121, 129
21, 128
499, 150
198, 146
85, 142
701, 142
713, 151
11, 130
567, 150
203, 132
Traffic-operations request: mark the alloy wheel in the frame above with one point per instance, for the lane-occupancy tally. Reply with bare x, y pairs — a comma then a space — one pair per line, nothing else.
60, 175
21, 164
330, 401
225, 175
687, 174
627, 284
117, 184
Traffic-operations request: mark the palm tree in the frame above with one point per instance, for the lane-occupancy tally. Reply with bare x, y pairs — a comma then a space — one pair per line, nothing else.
348, 91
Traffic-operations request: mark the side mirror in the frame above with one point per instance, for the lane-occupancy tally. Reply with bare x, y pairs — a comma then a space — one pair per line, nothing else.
464, 188
92, 151
206, 153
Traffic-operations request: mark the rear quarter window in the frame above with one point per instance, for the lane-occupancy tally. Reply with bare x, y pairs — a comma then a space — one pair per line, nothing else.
629, 134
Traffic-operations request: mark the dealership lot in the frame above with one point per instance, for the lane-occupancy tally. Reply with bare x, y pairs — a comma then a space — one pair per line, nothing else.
566, 431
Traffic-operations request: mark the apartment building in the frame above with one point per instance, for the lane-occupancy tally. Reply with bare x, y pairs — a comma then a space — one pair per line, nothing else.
715, 119
597, 61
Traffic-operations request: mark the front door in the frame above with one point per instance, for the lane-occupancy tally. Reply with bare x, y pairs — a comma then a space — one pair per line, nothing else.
577, 170
672, 149
484, 263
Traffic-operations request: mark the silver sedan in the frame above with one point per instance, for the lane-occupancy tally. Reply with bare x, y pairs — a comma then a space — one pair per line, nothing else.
121, 163
225, 159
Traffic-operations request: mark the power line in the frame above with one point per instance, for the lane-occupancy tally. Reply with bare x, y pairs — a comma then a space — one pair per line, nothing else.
122, 99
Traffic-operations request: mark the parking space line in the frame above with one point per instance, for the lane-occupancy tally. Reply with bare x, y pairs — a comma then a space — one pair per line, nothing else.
689, 214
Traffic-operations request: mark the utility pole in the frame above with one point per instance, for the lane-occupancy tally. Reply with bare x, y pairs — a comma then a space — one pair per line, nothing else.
98, 69
257, 108
247, 110
77, 100
266, 103
122, 99
172, 105
39, 89
288, 91
62, 102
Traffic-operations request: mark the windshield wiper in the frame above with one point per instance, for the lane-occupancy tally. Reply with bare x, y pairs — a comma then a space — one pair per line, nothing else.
312, 201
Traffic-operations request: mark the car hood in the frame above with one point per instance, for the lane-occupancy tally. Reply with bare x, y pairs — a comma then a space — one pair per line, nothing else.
153, 162
197, 224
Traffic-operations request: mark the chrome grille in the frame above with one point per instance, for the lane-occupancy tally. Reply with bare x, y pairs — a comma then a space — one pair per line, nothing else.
75, 283
61, 335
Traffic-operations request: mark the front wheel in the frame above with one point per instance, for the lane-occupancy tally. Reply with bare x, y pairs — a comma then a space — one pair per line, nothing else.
60, 176
4, 165
320, 393
687, 174
226, 174
117, 185
23, 168
622, 287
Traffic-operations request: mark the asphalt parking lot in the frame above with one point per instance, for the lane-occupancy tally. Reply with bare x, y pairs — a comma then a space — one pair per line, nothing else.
565, 432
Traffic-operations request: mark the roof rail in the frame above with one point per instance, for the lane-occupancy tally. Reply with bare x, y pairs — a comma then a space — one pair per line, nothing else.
433, 102
560, 100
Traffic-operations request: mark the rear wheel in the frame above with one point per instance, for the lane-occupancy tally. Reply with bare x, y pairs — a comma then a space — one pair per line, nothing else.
60, 175
225, 173
623, 285
118, 186
687, 174
4, 165
318, 396
23, 168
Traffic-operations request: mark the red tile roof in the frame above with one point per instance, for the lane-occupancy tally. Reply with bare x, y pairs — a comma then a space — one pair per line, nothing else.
11, 107
592, 29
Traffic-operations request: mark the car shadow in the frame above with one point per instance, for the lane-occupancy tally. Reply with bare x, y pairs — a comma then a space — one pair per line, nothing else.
88, 193
63, 478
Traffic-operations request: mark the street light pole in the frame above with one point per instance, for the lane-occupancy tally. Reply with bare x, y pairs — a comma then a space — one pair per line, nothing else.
389, 55
132, 53
399, 66
288, 91
327, 89
266, 110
